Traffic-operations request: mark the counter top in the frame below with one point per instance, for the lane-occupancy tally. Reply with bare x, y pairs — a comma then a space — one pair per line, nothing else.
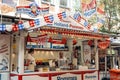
56, 72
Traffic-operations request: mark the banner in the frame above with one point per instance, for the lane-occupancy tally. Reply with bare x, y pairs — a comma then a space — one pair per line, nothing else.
33, 10
37, 42
88, 7
74, 22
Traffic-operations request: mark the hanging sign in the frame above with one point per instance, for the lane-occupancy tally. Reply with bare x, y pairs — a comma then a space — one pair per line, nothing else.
89, 12
32, 10
103, 44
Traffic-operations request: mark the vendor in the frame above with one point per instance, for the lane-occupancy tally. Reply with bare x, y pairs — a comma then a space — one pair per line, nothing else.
29, 59
62, 62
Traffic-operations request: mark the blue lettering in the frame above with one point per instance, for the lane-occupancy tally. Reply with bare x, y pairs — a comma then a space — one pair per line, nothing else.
28, 10
66, 78
58, 24
23, 10
90, 12
90, 77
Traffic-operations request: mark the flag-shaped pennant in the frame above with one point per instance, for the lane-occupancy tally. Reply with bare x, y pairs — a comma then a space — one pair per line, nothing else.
88, 4
77, 17
85, 23
32, 23
15, 27
88, 7
49, 19
20, 25
8, 28
37, 22
62, 15
2, 27
100, 8
26, 25
100, 20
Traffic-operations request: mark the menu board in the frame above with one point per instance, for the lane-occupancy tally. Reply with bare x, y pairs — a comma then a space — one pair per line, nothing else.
4, 52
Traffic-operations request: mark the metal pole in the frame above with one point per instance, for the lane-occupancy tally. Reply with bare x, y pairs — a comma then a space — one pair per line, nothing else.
105, 66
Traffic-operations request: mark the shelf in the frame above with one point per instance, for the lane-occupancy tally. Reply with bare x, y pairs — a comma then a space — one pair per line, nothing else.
47, 49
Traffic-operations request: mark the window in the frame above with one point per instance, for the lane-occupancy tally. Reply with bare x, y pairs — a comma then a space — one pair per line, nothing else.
65, 3
48, 1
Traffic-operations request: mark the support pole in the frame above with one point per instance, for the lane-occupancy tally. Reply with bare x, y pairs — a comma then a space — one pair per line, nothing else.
21, 55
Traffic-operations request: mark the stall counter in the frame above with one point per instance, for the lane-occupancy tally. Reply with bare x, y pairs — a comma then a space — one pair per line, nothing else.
58, 75
115, 74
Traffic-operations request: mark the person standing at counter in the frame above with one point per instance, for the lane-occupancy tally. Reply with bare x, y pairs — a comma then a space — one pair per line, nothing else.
62, 60
30, 60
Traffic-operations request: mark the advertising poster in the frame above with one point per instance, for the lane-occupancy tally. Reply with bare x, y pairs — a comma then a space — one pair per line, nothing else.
4, 52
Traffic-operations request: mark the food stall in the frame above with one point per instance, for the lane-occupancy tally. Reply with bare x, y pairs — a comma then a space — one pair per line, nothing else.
75, 43
57, 46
